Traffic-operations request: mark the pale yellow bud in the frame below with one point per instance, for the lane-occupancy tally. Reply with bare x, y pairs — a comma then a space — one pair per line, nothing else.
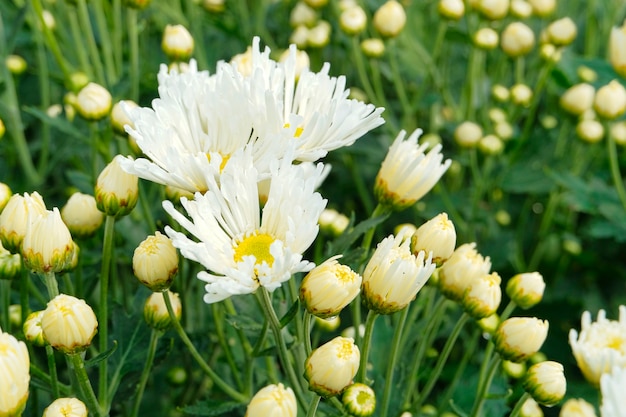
577, 407
353, 20
69, 324
550, 53
48, 20
10, 264
16, 64
589, 130
330, 324
618, 132
518, 338
530, 408
503, 217
174, 194
389, 19
177, 42
14, 368
610, 100
482, 296
54, 111
489, 324
3, 129
328, 288
503, 130
78, 80
116, 191
303, 62
47, 245
562, 32
517, 39
486, 38
500, 93
460, 269
302, 15
586, 74
436, 236
137, 4
273, 400
521, 9
545, 382
543, 8
333, 222
493, 9
15, 315
405, 229
300, 36
451, 9
32, 328
331, 367
81, 215
243, 62
468, 134
93, 102
119, 115
526, 289
617, 52
155, 262
351, 331
346, 4
214, 6
373, 47
5, 195
66, 407
578, 98
491, 145
316, 4
14, 219
155, 310
521, 94
359, 399
513, 369
319, 35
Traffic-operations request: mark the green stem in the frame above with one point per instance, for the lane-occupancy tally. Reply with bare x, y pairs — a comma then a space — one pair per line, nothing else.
105, 41
227, 389
77, 36
395, 347
441, 360
85, 385
312, 409
118, 35
367, 341
362, 72
51, 40
24, 303
518, 406
52, 370
307, 332
408, 119
484, 387
107, 255
380, 210
591, 26
506, 313
83, 15
52, 286
43, 77
154, 339
133, 39
5, 302
615, 171
270, 314
223, 341
145, 207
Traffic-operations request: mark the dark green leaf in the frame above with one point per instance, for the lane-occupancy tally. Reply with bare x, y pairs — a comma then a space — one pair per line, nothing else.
343, 242
104, 355
290, 314
211, 408
59, 123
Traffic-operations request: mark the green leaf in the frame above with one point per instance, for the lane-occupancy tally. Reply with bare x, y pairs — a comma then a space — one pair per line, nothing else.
290, 314
527, 178
58, 123
343, 242
211, 408
104, 355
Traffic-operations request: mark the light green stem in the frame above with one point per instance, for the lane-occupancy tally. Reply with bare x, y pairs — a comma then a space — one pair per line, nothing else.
307, 332
313, 406
79, 47
391, 361
51, 40
519, 404
85, 385
133, 39
52, 369
380, 210
49, 278
484, 387
83, 15
43, 77
219, 382
105, 41
367, 341
5, 302
615, 171
362, 72
154, 340
107, 255
223, 341
506, 313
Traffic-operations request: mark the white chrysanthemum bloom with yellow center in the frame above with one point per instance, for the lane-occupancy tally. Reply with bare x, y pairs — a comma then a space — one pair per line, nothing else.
577, 407
613, 388
66, 407
273, 400
240, 248
14, 368
408, 172
600, 345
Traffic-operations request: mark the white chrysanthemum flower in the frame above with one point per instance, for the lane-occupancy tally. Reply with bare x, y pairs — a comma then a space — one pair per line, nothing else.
613, 388
600, 346
240, 248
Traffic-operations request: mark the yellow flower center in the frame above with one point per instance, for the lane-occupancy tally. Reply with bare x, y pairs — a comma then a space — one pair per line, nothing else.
298, 131
346, 350
616, 343
225, 159
257, 245
345, 274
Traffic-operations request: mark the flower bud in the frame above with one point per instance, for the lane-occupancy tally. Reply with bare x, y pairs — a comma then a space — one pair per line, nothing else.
451, 9
486, 38
116, 191
460, 269
543, 8
504, 131
66, 407
214, 6
589, 130
617, 132
521, 94
518, 338
562, 32
273, 400
577, 407
521, 9
119, 116
517, 39
359, 399
550, 53
389, 19
491, 145
155, 311
302, 15
331, 367
328, 288
5, 191
436, 236
81, 215
32, 328
467, 134
137, 4
526, 290
530, 408
316, 4
299, 37
319, 35
69, 324
14, 219
10, 264
578, 98
177, 43
500, 93
3, 130
93, 102
546, 383
48, 244
303, 62
353, 20
16, 64
155, 262
77, 81
328, 325
513, 369
610, 100
482, 296
373, 47
394, 276
333, 222
489, 324
14, 368
617, 52
493, 9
